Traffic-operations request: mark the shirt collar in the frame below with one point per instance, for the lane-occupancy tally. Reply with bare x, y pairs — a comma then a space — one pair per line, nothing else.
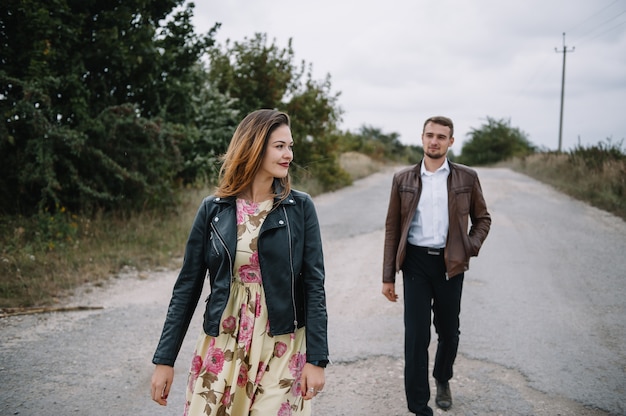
445, 167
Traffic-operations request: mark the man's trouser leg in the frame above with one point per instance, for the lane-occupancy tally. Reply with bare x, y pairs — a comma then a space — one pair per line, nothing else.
446, 311
418, 269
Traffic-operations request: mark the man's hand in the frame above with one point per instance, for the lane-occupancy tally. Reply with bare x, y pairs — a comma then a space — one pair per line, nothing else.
389, 291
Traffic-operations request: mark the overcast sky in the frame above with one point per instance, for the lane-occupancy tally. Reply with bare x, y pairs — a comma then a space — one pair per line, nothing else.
397, 62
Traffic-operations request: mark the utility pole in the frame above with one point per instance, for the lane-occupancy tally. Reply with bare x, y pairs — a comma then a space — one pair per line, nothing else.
565, 51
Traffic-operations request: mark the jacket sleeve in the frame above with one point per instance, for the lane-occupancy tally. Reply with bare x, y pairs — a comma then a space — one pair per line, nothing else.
313, 276
481, 219
393, 231
186, 292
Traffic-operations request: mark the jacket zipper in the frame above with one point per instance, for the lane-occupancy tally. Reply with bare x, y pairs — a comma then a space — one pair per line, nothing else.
230, 259
293, 277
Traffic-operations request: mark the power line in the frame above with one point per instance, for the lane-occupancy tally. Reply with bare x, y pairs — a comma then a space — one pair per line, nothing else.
581, 38
594, 15
605, 32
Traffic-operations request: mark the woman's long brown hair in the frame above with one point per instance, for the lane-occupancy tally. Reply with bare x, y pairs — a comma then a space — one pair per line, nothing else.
245, 153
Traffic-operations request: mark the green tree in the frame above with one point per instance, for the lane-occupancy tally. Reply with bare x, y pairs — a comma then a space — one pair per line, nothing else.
383, 146
315, 115
71, 74
373, 142
258, 74
215, 121
494, 141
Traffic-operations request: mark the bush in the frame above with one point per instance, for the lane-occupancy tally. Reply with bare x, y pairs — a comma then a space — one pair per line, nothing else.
120, 160
380, 146
494, 142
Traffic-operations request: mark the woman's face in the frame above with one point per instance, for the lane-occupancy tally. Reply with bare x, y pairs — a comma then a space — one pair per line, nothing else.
278, 153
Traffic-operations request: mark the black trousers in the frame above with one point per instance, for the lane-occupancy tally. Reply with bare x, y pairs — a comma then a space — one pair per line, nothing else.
426, 289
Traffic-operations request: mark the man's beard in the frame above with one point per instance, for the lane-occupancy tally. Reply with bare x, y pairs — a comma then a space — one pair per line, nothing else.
435, 155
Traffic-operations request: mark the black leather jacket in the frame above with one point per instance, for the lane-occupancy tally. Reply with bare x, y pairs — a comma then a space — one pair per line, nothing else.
292, 266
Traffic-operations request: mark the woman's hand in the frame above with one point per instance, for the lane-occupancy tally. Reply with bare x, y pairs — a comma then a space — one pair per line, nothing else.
162, 379
312, 381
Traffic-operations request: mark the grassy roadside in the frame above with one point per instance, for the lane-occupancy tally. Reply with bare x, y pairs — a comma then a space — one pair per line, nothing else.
43, 259
598, 178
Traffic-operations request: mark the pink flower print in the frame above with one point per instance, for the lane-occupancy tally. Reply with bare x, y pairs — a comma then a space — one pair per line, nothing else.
244, 208
196, 364
194, 372
254, 259
251, 273
214, 361
296, 364
229, 324
257, 312
285, 410
246, 326
279, 349
260, 372
242, 378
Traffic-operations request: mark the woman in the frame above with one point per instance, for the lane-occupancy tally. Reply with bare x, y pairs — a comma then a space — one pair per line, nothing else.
264, 345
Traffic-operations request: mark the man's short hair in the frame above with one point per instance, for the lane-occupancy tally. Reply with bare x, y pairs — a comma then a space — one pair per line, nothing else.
441, 120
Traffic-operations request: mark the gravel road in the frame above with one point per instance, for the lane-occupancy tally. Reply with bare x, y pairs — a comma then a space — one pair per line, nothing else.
542, 321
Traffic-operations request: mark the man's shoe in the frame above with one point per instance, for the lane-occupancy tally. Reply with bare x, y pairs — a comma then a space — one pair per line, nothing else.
444, 396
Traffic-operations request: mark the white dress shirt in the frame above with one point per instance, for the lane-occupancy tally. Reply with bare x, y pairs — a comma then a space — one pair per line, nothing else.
429, 227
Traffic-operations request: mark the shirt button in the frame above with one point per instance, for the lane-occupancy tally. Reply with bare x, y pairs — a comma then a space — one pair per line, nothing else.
281, 222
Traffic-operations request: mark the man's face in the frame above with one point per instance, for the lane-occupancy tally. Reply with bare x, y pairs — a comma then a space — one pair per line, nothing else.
436, 140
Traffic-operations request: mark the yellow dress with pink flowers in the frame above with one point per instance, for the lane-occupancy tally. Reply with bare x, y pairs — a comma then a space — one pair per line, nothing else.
245, 370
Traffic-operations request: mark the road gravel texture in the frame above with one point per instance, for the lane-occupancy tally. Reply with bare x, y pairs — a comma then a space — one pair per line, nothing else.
542, 320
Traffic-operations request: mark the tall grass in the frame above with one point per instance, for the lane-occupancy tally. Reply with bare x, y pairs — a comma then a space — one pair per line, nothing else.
595, 174
359, 165
43, 258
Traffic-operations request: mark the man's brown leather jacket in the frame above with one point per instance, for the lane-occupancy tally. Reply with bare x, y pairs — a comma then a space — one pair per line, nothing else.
465, 201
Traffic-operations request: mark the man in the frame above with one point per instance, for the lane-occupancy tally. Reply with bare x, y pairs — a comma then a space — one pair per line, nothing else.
426, 236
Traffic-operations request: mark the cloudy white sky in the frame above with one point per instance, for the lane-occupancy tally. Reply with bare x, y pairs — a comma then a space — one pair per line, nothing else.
397, 62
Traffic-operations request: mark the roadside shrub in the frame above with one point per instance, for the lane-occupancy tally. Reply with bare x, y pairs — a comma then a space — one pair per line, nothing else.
493, 142
118, 160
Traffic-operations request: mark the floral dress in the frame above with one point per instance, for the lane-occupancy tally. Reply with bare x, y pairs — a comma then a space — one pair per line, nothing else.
245, 370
